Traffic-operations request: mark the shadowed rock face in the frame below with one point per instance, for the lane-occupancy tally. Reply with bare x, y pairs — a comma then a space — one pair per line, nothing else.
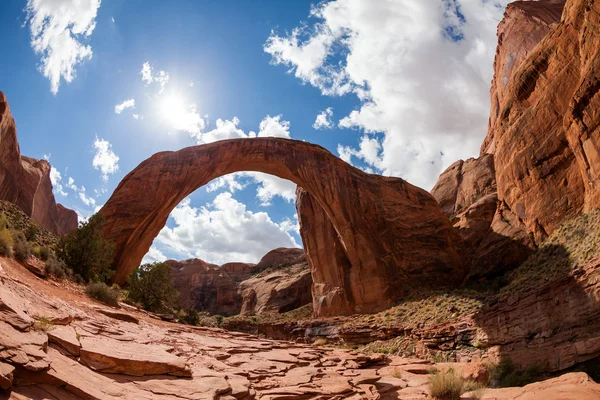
392, 233
25, 181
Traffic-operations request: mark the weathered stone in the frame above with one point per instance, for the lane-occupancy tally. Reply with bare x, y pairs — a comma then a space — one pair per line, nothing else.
524, 25
6, 375
112, 356
25, 181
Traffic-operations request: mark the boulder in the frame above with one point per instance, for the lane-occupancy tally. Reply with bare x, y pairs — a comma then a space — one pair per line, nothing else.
392, 233
25, 181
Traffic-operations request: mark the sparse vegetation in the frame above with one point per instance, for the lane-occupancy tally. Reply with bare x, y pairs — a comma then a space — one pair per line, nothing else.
56, 268
450, 385
101, 292
506, 374
320, 342
570, 246
87, 252
6, 242
152, 288
21, 248
43, 324
190, 317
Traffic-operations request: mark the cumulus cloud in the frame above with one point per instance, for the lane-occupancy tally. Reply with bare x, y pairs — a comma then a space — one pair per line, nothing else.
124, 105
223, 231
420, 69
153, 255
57, 29
324, 119
229, 182
274, 127
56, 179
88, 201
137, 116
105, 160
271, 186
149, 76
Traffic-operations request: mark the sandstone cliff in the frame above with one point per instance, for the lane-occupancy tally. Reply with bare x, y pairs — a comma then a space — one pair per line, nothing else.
280, 282
26, 181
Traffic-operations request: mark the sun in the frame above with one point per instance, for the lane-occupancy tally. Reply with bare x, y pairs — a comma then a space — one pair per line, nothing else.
172, 109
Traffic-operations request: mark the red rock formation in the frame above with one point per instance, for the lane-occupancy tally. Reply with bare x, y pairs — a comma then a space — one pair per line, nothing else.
546, 134
26, 182
496, 241
280, 282
463, 183
208, 287
392, 233
524, 25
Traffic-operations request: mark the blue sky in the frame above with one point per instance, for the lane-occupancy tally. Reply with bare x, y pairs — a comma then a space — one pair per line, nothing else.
402, 85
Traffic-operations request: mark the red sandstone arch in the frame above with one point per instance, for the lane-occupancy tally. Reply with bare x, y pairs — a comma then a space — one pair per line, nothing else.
391, 235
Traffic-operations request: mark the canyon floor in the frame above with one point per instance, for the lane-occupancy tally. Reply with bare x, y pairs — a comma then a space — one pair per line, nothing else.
55, 343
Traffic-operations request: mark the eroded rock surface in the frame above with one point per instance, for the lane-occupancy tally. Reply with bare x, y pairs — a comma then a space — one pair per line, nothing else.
392, 233
280, 282
546, 132
25, 181
524, 25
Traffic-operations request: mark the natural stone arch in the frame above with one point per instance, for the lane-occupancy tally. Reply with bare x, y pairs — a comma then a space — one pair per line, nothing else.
392, 235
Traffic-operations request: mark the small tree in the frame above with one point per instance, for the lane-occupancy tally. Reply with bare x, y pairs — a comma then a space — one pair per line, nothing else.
151, 287
86, 251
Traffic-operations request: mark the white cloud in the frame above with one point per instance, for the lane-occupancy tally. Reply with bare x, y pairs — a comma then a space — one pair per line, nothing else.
137, 116
274, 127
271, 186
57, 28
56, 179
149, 77
229, 182
191, 84
124, 105
88, 201
323, 120
153, 255
421, 70
112, 19
223, 231
224, 129
105, 160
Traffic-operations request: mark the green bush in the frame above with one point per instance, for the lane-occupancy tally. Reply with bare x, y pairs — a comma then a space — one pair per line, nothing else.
32, 232
41, 252
190, 317
151, 287
101, 292
506, 374
86, 251
6, 242
57, 268
21, 248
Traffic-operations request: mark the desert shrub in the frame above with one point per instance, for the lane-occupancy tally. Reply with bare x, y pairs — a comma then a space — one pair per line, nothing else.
506, 374
57, 268
43, 324
101, 292
41, 252
6, 242
190, 317
446, 385
219, 320
150, 286
320, 342
21, 248
86, 251
32, 232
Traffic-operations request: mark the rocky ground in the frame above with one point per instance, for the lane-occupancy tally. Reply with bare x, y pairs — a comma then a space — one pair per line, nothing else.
55, 343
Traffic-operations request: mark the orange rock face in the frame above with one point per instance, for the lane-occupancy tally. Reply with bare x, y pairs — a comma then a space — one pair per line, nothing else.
26, 181
524, 25
546, 136
392, 233
208, 287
